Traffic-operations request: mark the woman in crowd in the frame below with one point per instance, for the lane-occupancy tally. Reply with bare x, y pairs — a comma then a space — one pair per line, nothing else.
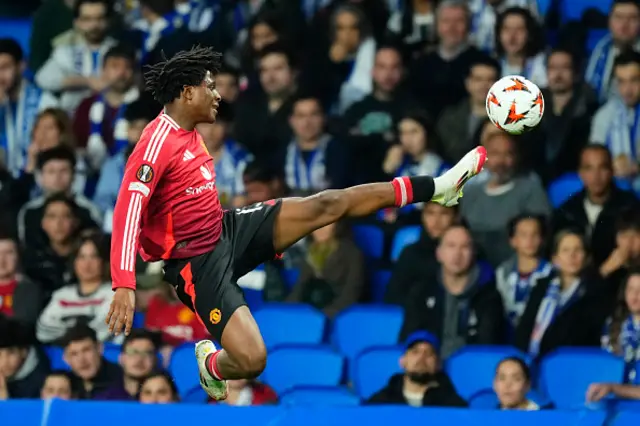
511, 384
158, 388
332, 278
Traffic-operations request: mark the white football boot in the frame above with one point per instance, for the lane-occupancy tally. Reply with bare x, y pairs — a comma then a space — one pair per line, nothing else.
448, 187
216, 389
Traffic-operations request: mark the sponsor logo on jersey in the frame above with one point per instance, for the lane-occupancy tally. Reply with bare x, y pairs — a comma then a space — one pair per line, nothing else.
206, 173
145, 173
200, 189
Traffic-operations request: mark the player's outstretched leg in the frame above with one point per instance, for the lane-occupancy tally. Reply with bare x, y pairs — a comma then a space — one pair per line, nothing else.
299, 217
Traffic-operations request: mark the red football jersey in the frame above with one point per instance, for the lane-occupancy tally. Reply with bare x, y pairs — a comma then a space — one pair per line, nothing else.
168, 205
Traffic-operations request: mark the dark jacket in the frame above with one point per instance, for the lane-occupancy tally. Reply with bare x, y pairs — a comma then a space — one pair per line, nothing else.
13, 194
107, 375
441, 394
30, 377
579, 324
571, 215
482, 323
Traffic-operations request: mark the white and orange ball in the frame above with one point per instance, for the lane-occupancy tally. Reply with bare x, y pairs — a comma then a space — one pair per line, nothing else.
515, 104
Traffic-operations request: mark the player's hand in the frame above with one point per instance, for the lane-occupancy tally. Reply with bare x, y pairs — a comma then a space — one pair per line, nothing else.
597, 391
121, 311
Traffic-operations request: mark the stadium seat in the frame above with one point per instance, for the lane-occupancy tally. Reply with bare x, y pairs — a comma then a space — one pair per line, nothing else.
563, 188
486, 399
363, 326
404, 237
18, 29
55, 355
482, 361
379, 282
370, 239
303, 365
319, 395
566, 374
373, 368
184, 368
290, 323
254, 298
624, 418
111, 352
196, 395
290, 276
572, 10
138, 320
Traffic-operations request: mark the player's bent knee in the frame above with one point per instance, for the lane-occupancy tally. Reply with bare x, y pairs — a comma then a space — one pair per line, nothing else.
252, 360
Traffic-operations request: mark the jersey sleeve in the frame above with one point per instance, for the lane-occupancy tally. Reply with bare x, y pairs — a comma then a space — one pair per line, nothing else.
145, 167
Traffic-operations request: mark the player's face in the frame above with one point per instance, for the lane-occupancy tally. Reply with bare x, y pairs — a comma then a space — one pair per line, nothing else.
347, 31
92, 22
455, 252
387, 70
56, 387
307, 120
513, 34
156, 391
436, 219
205, 100
500, 151
11, 360
527, 239
560, 72
58, 222
119, 73
276, 77
262, 35
88, 264
510, 384
624, 23
9, 72
56, 176
632, 294
8, 259
452, 26
628, 79
595, 172
479, 81
570, 255
412, 136
227, 85
420, 358
83, 357
138, 359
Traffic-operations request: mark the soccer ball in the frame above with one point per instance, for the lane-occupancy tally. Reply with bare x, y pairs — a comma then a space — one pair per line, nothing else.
515, 105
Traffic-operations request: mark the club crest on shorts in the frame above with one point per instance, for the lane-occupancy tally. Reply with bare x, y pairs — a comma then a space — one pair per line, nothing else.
145, 173
215, 316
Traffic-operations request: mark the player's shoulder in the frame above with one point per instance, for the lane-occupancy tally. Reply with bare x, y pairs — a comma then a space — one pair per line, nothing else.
159, 135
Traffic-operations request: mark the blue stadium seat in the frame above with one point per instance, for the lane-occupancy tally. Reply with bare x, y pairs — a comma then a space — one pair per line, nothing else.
363, 326
303, 365
624, 418
319, 395
197, 395
138, 320
111, 352
374, 367
184, 368
487, 399
289, 323
379, 282
563, 188
572, 10
473, 367
566, 374
254, 298
543, 6
290, 276
370, 239
404, 237
19, 29
55, 355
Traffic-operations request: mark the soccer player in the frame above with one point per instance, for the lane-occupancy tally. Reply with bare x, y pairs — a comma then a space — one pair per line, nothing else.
168, 208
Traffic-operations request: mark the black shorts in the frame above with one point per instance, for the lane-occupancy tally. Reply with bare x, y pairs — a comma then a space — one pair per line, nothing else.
207, 283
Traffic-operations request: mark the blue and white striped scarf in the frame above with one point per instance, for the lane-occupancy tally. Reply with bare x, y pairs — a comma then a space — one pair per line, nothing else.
623, 134
629, 342
600, 67
16, 125
307, 174
230, 167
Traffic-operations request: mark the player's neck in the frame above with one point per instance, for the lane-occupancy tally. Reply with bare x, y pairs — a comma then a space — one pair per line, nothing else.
182, 120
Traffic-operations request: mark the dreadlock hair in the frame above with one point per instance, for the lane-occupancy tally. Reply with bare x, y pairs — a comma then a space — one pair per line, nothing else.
166, 79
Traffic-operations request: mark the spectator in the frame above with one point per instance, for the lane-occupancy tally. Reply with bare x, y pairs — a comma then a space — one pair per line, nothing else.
516, 276
414, 25
138, 359
84, 302
416, 259
23, 367
20, 102
158, 19
519, 43
624, 33
243, 393
314, 160
511, 383
158, 388
563, 309
47, 265
615, 125
460, 123
230, 157
50, 20
483, 19
88, 367
371, 122
73, 69
554, 146
593, 211
423, 383
439, 76
228, 84
332, 278
515, 194
458, 302
56, 174
622, 332
58, 384
20, 298
99, 124
261, 118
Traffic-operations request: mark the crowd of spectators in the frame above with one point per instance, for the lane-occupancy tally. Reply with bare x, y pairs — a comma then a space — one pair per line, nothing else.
320, 95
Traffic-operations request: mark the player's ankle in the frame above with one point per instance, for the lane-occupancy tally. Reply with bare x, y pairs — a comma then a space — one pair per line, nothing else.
211, 364
416, 189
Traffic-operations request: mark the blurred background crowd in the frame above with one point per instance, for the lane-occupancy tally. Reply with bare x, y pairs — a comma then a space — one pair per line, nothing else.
542, 253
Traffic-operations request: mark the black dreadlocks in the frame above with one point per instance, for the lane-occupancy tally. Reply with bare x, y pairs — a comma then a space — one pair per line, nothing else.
166, 79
